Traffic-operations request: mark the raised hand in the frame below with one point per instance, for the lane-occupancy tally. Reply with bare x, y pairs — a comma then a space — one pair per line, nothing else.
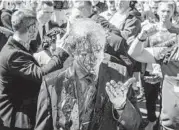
148, 30
61, 43
117, 92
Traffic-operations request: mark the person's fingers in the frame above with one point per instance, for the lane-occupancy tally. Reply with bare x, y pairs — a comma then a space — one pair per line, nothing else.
118, 89
113, 83
173, 53
129, 82
108, 91
177, 56
113, 91
110, 88
120, 83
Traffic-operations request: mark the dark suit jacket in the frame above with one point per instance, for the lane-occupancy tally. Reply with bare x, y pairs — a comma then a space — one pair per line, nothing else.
20, 79
50, 115
120, 39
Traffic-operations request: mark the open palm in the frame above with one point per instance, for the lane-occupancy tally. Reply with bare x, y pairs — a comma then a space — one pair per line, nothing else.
117, 92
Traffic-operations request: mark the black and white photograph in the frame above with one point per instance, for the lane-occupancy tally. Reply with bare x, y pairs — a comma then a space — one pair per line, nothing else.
89, 64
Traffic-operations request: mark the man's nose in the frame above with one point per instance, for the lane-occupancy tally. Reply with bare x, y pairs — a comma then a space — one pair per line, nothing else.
92, 57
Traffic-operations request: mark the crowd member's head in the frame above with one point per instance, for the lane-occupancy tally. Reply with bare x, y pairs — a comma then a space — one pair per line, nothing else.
166, 10
123, 5
44, 10
153, 4
2, 4
32, 4
75, 14
25, 25
84, 6
140, 6
19, 5
86, 42
111, 5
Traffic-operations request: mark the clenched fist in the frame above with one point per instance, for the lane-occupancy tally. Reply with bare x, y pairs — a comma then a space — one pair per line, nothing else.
148, 30
117, 92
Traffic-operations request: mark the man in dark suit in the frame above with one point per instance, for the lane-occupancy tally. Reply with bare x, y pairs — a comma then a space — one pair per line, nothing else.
20, 74
76, 99
44, 11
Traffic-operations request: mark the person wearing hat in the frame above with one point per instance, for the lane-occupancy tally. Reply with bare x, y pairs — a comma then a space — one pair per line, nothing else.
21, 75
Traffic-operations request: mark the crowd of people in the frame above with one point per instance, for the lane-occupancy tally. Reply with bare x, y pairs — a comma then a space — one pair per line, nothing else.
91, 72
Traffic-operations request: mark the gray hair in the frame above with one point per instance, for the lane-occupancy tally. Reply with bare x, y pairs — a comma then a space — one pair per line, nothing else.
84, 33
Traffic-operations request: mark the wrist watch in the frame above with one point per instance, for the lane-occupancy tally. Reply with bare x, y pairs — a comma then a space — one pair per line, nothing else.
141, 40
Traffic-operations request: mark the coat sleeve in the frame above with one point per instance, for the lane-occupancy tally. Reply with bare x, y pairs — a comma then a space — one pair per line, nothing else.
23, 64
130, 117
44, 111
131, 29
105, 24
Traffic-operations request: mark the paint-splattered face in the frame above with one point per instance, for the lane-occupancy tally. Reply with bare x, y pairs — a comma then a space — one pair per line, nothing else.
89, 54
85, 42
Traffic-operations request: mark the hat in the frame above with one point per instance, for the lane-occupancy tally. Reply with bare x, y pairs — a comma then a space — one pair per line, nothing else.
22, 18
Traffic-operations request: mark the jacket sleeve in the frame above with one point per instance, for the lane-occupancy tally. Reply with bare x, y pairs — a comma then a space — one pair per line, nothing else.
130, 117
23, 64
105, 24
6, 20
44, 115
131, 29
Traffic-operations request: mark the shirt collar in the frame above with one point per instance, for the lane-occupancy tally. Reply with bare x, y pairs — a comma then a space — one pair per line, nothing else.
18, 44
78, 69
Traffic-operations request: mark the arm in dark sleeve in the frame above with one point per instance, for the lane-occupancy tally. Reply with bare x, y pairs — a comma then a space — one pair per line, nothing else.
24, 65
130, 117
105, 24
131, 29
44, 115
115, 42
56, 61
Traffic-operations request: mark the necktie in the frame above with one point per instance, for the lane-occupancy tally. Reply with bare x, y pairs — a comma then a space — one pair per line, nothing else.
43, 31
